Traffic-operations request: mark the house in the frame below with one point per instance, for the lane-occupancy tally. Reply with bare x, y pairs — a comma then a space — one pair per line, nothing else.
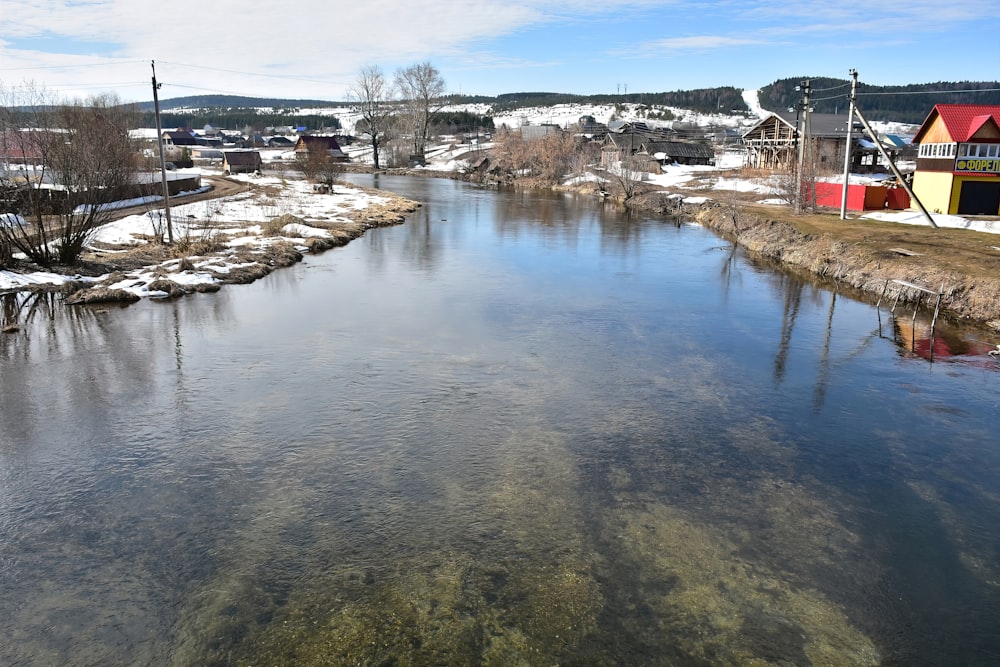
241, 162
179, 138
958, 160
772, 143
681, 152
279, 141
22, 147
308, 143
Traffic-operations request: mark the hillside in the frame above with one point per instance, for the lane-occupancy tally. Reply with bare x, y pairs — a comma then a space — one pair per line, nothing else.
904, 104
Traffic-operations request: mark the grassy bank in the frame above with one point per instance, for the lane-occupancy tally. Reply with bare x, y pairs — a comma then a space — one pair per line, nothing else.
864, 254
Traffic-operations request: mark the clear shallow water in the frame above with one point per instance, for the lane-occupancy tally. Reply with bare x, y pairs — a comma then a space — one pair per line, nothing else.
518, 429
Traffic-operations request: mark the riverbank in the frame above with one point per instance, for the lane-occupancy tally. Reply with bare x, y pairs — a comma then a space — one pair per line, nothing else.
234, 239
862, 254
869, 255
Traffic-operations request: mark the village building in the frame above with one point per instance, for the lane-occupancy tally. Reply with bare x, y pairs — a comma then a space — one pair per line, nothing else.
958, 160
241, 162
309, 143
773, 143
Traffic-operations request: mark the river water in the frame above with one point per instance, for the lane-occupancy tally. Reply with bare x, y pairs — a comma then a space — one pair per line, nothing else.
520, 429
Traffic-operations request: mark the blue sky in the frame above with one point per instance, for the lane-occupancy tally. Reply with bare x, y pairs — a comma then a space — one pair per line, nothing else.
86, 47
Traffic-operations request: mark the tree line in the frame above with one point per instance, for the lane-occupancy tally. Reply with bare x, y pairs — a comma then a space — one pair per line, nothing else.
238, 119
905, 104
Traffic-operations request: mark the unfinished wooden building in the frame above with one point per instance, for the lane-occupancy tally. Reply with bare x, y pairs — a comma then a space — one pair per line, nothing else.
771, 143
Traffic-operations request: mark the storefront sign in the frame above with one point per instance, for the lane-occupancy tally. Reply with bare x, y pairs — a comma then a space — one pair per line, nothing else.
978, 165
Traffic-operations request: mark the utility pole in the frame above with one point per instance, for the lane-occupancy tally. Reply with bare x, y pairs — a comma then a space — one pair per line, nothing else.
805, 144
163, 163
847, 148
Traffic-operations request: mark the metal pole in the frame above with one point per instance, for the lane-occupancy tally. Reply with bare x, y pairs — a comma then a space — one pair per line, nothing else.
810, 163
847, 146
892, 165
163, 163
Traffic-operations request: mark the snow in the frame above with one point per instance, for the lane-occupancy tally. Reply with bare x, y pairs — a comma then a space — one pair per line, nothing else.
239, 215
910, 217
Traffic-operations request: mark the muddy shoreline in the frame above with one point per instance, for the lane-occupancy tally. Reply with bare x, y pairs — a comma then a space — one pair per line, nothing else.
858, 266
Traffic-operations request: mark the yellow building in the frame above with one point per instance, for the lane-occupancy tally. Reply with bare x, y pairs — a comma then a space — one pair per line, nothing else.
958, 163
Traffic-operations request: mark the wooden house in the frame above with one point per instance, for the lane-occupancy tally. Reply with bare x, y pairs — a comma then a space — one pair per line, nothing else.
773, 142
241, 162
681, 152
179, 138
958, 160
308, 143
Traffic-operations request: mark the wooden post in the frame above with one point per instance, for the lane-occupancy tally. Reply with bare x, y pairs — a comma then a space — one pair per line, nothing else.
163, 164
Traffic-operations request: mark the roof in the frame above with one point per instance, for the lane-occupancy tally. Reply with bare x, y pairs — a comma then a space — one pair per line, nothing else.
321, 141
821, 125
961, 121
21, 144
242, 158
181, 138
676, 149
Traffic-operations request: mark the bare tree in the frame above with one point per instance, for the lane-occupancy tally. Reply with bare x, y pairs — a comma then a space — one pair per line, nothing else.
547, 158
320, 167
373, 96
627, 173
422, 91
76, 160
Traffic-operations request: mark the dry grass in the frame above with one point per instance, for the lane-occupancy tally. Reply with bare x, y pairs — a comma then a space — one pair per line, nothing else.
863, 254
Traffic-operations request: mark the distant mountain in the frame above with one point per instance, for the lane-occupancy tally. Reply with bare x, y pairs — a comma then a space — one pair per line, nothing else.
235, 102
904, 104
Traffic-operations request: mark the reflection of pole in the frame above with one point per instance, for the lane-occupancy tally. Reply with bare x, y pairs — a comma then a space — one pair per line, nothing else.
847, 148
163, 163
824, 360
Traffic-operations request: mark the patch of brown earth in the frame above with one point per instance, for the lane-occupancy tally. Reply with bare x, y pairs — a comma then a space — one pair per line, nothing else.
868, 255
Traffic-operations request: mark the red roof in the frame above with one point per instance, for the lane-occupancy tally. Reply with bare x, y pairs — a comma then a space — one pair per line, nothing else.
961, 120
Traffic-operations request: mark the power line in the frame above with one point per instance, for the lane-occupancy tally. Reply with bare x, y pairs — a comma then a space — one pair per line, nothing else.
283, 77
935, 92
824, 90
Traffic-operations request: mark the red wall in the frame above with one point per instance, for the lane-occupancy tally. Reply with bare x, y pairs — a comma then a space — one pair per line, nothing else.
862, 197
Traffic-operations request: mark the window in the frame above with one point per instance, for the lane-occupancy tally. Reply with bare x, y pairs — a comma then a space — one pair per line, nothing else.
941, 150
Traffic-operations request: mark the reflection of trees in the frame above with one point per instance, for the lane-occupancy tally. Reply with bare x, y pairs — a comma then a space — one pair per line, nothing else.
74, 363
562, 219
729, 271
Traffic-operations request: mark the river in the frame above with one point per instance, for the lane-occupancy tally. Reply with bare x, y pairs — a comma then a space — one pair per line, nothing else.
520, 429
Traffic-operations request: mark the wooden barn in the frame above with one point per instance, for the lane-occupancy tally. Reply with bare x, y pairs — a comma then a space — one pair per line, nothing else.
241, 162
681, 152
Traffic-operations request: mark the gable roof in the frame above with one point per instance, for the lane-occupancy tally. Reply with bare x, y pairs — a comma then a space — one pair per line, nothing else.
677, 149
961, 121
242, 158
180, 137
821, 125
324, 142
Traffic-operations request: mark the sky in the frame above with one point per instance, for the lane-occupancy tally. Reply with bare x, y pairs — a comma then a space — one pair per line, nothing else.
314, 49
